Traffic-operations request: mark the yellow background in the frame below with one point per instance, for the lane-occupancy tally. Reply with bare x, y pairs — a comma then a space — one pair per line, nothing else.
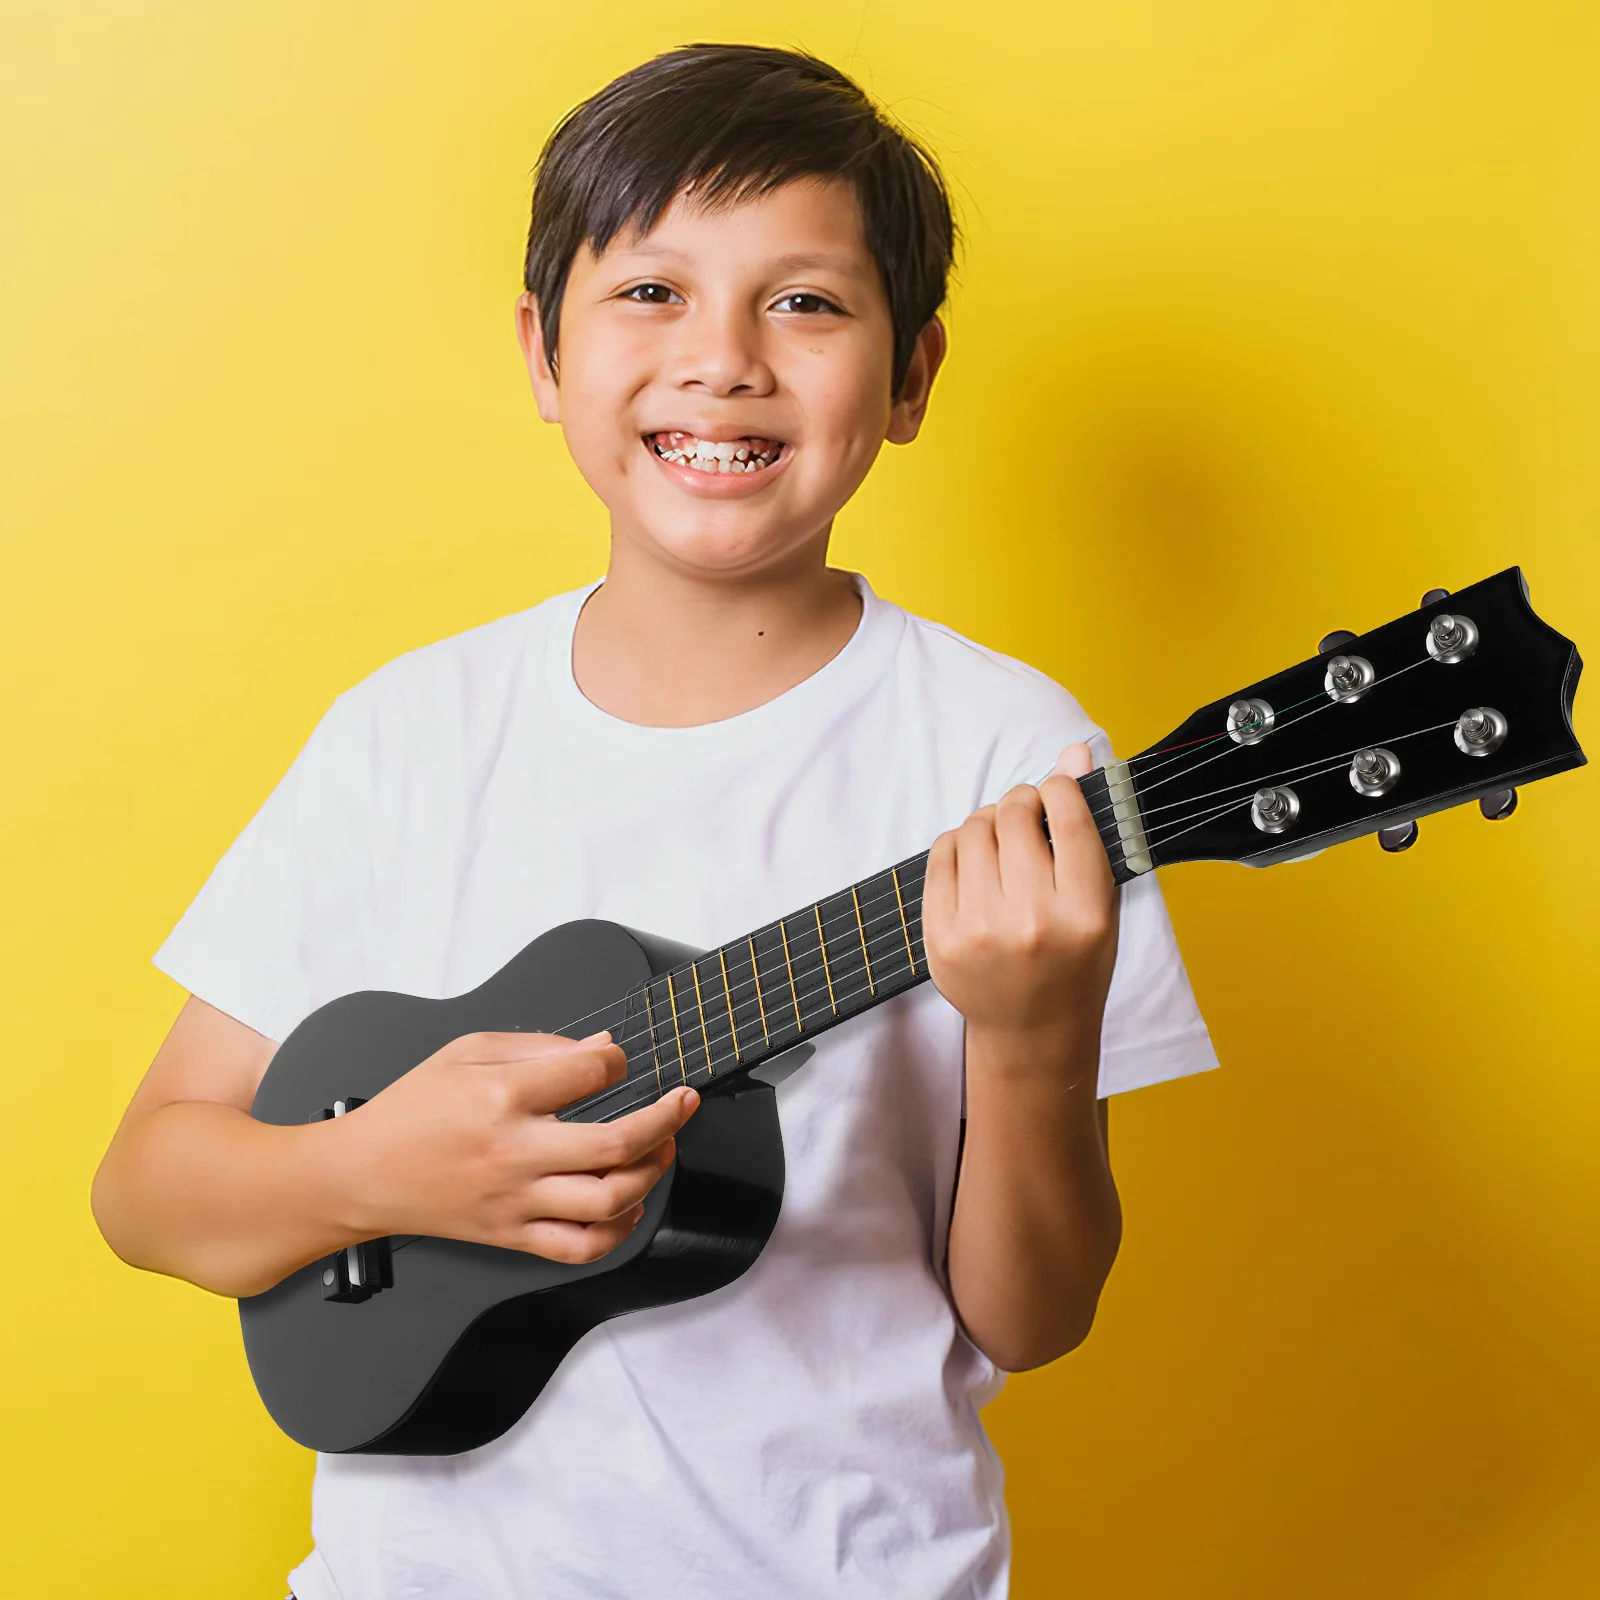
1270, 317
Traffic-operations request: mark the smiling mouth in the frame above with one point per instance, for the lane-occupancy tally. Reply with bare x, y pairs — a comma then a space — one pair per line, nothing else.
723, 455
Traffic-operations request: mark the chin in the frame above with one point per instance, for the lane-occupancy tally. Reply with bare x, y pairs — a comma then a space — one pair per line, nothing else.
725, 546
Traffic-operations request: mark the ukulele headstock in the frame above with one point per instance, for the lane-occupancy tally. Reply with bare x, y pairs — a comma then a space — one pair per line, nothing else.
1469, 695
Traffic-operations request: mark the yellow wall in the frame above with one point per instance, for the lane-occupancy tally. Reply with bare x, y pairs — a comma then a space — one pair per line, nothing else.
1271, 317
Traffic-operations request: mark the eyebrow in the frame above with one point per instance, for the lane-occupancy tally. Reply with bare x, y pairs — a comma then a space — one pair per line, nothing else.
796, 261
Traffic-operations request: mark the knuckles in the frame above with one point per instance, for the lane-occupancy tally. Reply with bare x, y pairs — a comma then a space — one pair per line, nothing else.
1023, 798
609, 1147
575, 1247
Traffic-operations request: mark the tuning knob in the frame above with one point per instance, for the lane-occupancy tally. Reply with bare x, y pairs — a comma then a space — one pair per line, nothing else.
1434, 596
1499, 805
1400, 837
1336, 640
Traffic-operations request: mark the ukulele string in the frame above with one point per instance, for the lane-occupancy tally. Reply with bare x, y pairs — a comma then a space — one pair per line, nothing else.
1163, 833
687, 1072
1196, 815
1175, 753
1212, 738
1144, 789
809, 989
739, 990
1271, 778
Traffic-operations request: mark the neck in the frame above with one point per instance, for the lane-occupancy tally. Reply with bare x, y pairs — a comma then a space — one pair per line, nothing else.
712, 1019
667, 647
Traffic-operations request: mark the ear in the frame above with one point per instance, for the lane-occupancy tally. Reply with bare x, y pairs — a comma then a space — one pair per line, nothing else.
911, 404
541, 370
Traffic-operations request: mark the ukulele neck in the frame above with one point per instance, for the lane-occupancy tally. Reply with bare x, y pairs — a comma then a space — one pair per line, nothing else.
712, 1019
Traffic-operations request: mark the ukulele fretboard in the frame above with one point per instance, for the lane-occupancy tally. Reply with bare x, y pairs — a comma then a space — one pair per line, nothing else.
756, 996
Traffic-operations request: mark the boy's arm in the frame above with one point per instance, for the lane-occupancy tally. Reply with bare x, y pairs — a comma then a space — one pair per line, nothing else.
463, 1146
1021, 934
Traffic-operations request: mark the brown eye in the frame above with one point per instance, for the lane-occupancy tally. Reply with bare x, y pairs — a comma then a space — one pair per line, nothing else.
650, 294
805, 304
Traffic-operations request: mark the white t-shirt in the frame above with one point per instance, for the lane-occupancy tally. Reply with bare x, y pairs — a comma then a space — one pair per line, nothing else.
812, 1428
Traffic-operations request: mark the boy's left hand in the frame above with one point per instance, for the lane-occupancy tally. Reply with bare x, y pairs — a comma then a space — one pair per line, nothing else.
1021, 929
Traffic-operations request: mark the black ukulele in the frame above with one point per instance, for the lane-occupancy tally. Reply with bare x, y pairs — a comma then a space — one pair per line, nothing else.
419, 1345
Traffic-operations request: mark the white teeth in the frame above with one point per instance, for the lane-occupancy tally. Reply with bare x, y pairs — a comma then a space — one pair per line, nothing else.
712, 455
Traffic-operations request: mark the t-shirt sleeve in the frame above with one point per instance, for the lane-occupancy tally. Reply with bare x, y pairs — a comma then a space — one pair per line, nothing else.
1153, 1029
281, 925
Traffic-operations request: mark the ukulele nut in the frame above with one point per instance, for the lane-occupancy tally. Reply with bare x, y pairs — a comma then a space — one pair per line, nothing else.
1249, 721
1274, 810
1348, 678
1452, 638
1374, 772
1480, 731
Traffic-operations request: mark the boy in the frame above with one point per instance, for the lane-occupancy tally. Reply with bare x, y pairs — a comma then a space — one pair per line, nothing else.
734, 272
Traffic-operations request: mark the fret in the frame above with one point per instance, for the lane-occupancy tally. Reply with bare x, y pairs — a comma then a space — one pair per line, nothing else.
788, 967
776, 995
636, 1035
700, 1006
655, 1047
827, 970
677, 1029
808, 964
861, 929
880, 931
905, 927
727, 995
716, 1027
742, 1002
912, 877
750, 1005
852, 992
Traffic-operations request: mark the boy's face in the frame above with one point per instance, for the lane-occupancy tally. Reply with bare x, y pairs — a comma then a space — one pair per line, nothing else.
724, 379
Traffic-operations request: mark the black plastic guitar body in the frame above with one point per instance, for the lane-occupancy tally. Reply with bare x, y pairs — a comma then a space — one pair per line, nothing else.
461, 1339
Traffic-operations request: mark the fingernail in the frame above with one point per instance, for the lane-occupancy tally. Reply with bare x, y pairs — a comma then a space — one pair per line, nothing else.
603, 1037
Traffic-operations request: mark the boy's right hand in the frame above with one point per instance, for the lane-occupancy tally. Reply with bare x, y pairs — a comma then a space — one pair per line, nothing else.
466, 1146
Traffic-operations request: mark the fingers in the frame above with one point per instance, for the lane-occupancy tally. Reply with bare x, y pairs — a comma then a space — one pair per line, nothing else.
977, 865
939, 887
600, 1197
602, 1146
552, 1072
1023, 849
1078, 850
577, 1242
1075, 761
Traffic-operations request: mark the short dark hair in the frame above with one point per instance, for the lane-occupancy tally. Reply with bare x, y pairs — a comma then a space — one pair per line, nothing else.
730, 122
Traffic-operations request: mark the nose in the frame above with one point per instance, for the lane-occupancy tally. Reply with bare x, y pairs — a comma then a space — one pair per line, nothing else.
721, 352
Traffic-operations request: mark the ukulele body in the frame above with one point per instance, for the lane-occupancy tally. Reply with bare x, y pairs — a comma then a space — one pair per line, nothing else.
461, 1338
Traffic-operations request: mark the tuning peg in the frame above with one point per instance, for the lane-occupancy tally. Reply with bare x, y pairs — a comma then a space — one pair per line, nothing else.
1499, 805
1434, 596
1336, 640
1400, 837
